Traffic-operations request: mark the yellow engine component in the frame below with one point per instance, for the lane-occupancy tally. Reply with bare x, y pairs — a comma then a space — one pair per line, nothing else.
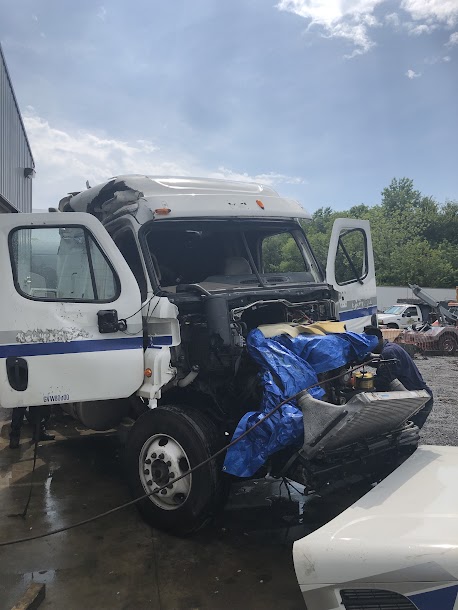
364, 381
293, 330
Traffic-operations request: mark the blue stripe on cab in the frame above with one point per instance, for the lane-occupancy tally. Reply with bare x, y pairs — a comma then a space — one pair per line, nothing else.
357, 313
440, 599
155, 340
70, 347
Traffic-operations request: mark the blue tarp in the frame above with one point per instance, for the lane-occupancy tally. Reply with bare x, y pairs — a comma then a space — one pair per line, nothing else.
287, 366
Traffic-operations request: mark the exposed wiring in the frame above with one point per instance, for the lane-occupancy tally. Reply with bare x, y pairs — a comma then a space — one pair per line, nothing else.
289, 484
284, 481
138, 310
66, 528
148, 313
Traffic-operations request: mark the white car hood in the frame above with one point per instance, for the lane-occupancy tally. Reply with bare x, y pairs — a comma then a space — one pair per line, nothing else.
404, 530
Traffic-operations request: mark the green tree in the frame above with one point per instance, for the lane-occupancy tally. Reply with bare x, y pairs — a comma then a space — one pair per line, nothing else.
415, 239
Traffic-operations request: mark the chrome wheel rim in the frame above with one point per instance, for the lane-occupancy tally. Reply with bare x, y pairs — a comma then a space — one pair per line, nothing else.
161, 461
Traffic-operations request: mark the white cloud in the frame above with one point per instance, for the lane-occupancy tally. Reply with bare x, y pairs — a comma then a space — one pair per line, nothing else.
431, 61
415, 29
412, 74
432, 11
393, 20
349, 20
102, 13
353, 20
453, 40
65, 159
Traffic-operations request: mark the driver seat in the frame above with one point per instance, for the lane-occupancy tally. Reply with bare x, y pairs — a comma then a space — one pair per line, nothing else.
237, 265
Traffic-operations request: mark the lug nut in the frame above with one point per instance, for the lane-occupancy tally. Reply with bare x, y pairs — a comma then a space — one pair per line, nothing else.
163, 492
161, 456
149, 482
148, 462
146, 472
168, 464
171, 475
170, 486
154, 456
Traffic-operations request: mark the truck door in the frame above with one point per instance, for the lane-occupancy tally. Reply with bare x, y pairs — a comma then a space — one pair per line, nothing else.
350, 270
65, 287
411, 315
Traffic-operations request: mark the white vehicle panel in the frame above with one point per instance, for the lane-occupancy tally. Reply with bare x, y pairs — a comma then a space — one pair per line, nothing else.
201, 198
401, 536
59, 343
357, 297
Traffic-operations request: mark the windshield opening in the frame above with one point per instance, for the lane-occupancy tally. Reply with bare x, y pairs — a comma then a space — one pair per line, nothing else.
224, 254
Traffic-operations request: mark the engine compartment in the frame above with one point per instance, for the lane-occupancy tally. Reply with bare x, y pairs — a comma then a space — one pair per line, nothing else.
214, 332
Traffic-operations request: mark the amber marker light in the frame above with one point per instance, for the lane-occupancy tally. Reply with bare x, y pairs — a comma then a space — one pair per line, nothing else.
260, 204
162, 211
148, 372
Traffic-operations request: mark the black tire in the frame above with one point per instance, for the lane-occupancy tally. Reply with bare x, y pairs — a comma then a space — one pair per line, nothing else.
392, 325
448, 344
194, 433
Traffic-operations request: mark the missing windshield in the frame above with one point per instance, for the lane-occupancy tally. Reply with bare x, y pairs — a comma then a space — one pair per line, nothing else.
221, 255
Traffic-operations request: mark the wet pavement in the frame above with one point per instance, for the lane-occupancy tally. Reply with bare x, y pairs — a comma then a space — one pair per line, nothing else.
243, 560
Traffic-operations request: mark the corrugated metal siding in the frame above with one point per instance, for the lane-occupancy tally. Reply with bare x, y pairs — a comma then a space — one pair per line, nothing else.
15, 153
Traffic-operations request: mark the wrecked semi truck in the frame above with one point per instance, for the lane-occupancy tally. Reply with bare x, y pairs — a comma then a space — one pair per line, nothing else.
182, 309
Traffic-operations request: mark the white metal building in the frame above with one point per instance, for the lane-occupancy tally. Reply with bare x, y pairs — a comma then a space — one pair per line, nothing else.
389, 295
17, 166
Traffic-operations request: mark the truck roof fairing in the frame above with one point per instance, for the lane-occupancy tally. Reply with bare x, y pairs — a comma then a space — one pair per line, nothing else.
170, 197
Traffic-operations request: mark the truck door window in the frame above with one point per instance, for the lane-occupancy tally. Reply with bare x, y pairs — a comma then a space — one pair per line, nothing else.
61, 264
410, 311
127, 245
351, 257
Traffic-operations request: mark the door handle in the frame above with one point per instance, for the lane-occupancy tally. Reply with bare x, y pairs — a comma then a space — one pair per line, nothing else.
17, 370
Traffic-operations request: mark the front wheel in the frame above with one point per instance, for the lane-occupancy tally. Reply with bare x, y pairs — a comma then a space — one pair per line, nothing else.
163, 444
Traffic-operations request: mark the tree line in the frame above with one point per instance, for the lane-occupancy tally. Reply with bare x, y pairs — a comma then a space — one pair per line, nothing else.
415, 238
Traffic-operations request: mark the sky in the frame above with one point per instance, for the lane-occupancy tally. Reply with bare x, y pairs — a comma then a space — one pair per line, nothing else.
325, 100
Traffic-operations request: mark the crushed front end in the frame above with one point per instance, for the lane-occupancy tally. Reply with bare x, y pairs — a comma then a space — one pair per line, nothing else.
251, 302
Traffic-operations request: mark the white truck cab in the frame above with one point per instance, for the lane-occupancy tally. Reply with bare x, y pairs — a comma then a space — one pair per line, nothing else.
401, 315
135, 299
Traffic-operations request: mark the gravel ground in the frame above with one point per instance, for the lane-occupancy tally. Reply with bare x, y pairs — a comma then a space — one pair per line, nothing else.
441, 374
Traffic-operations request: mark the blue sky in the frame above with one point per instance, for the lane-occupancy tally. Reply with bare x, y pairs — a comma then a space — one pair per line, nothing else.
326, 100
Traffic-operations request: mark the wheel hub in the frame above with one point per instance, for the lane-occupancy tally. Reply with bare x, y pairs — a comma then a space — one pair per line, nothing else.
162, 459
160, 472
